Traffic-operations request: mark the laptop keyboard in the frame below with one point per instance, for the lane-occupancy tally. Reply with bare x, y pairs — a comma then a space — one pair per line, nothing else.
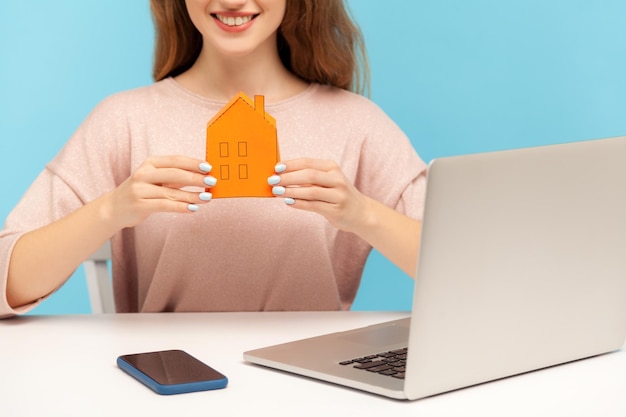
391, 363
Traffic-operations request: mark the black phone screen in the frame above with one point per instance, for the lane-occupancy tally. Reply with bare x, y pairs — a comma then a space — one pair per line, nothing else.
170, 367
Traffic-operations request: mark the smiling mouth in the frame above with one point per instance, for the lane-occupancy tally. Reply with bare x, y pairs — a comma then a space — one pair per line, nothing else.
234, 21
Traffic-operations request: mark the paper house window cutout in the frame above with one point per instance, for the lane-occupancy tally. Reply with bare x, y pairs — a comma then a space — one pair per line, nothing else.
243, 149
242, 142
224, 172
223, 149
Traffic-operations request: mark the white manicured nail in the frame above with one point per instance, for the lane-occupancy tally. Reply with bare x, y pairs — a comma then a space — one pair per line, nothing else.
210, 181
278, 190
273, 180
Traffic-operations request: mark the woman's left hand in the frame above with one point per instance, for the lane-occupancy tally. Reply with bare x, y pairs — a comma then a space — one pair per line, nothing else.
320, 186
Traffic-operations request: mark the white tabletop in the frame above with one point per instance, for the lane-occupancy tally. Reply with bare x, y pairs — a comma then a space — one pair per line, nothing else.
65, 366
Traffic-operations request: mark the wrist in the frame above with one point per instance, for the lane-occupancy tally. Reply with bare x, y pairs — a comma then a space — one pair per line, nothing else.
104, 209
368, 219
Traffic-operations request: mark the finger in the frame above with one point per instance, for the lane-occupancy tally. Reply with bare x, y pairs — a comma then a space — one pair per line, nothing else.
157, 192
304, 163
181, 162
307, 177
148, 199
173, 177
318, 207
191, 197
186, 179
176, 201
310, 193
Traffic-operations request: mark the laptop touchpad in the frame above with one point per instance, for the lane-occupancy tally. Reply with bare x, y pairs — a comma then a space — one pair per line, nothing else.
380, 336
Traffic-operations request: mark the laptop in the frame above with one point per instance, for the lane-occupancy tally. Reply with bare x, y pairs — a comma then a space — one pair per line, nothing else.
522, 266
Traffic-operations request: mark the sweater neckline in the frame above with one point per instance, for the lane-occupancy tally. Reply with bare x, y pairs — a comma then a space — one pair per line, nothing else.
190, 95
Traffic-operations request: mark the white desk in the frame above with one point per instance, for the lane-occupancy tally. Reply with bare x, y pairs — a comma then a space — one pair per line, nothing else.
65, 366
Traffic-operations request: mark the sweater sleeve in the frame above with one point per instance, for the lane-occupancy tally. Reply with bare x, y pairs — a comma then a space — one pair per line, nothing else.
48, 199
390, 170
90, 164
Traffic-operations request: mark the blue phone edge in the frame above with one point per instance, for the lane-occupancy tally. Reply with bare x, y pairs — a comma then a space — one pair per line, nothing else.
170, 389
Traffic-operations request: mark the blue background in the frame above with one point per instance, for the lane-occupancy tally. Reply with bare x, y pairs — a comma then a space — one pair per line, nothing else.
458, 76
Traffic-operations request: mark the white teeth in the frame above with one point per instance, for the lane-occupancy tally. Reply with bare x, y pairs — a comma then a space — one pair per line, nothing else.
234, 21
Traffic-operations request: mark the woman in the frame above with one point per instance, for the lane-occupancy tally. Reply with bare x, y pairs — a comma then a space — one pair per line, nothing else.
133, 173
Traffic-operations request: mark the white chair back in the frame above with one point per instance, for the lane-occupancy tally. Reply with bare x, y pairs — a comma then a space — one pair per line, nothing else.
99, 282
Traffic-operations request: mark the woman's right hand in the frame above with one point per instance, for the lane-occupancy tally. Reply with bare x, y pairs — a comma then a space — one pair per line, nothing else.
174, 184
160, 184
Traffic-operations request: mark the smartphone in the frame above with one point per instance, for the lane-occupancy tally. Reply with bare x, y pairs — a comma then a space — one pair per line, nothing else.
171, 372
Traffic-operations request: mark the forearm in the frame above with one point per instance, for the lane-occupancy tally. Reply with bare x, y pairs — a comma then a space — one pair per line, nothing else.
44, 258
393, 234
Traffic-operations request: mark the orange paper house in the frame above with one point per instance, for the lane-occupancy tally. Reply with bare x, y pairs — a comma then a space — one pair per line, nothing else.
242, 147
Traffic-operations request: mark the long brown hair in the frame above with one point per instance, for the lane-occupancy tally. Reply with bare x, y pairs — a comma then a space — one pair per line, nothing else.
317, 40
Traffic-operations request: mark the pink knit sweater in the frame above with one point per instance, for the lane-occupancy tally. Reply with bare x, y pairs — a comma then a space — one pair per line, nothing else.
240, 254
